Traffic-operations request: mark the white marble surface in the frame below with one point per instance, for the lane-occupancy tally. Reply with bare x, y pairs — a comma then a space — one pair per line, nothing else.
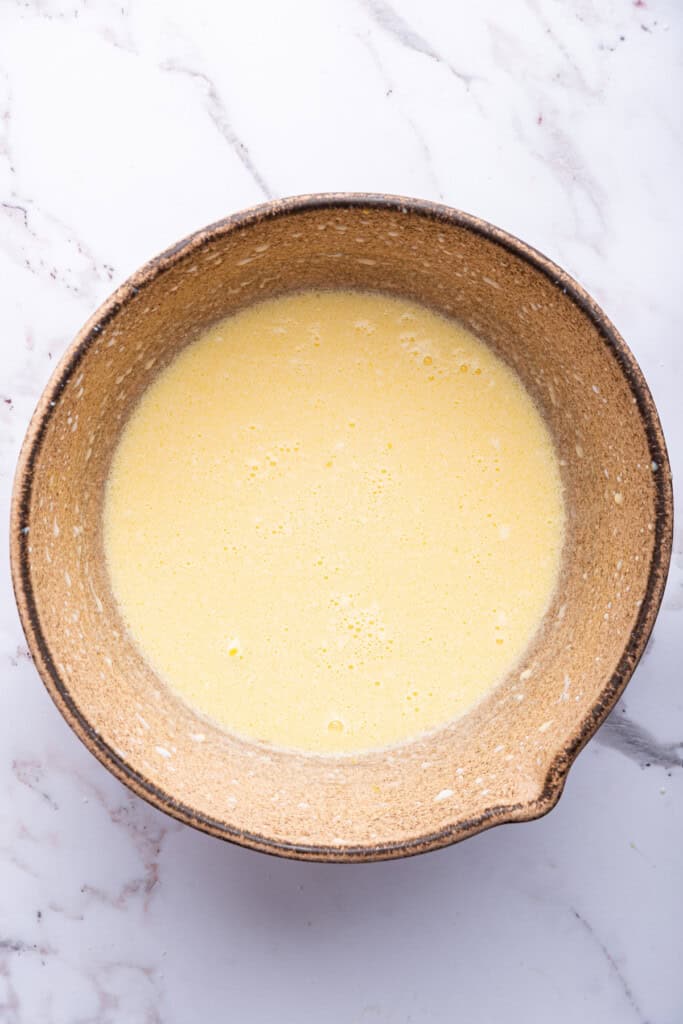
125, 124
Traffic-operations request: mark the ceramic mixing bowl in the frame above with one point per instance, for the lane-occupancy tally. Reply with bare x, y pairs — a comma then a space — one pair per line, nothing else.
507, 760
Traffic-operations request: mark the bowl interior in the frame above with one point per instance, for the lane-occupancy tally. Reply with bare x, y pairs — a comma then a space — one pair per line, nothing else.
507, 758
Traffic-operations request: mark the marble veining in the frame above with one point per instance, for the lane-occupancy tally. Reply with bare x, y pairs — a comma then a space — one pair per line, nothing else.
395, 25
219, 115
124, 126
635, 741
614, 967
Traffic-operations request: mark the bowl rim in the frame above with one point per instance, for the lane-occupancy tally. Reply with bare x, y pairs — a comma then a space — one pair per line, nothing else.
21, 497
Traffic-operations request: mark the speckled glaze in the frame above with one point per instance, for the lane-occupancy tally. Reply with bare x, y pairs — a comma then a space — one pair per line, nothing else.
505, 761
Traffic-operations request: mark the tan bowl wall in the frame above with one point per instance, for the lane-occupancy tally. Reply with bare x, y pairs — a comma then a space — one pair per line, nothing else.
504, 761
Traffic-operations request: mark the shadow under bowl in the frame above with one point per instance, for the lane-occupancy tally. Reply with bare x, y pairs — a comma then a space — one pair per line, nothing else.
507, 760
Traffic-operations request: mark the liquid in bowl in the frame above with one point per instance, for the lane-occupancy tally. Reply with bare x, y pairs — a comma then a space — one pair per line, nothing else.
349, 529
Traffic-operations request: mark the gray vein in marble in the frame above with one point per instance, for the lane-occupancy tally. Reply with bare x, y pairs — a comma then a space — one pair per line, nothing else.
31, 774
18, 209
22, 653
110, 982
19, 946
561, 48
566, 160
11, 950
218, 113
33, 254
147, 836
389, 90
637, 743
553, 143
613, 965
109, 23
387, 18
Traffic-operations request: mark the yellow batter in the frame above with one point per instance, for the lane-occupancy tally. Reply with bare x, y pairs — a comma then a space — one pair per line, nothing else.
334, 522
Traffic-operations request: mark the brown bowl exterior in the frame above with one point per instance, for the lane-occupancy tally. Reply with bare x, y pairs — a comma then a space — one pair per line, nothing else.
505, 761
